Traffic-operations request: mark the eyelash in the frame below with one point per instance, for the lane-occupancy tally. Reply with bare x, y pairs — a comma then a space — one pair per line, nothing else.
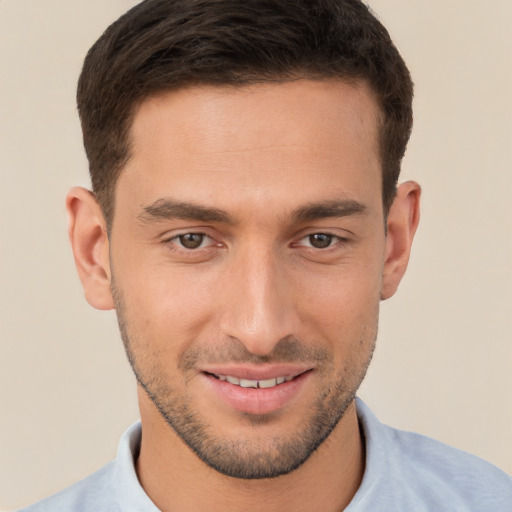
333, 241
176, 240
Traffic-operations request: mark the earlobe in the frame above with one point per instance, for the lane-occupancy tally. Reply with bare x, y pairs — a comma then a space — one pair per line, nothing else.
402, 222
89, 241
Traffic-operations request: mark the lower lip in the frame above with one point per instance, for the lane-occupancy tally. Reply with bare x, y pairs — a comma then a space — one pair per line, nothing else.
257, 400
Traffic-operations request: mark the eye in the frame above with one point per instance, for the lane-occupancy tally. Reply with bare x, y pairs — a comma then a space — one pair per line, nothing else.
192, 241
319, 240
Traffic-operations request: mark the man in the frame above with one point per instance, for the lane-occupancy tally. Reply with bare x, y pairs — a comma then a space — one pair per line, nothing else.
245, 223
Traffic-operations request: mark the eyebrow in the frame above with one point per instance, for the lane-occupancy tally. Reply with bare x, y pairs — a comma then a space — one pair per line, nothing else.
328, 209
169, 209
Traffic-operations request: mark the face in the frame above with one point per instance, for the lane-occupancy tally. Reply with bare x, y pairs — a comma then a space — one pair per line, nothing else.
247, 253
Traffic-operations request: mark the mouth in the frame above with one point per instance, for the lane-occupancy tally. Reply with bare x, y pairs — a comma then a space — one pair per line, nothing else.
254, 383
257, 391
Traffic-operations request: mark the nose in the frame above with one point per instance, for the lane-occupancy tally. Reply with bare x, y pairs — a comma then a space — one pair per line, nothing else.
258, 306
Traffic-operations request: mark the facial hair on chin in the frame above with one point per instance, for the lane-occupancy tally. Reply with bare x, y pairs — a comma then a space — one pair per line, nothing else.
243, 458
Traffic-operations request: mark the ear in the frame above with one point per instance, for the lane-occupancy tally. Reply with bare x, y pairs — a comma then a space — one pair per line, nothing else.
89, 241
402, 222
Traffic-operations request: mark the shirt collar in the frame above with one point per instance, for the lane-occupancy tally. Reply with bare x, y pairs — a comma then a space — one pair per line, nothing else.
129, 493
132, 498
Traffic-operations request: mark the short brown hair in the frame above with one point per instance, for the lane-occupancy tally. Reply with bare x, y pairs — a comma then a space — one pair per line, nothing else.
160, 45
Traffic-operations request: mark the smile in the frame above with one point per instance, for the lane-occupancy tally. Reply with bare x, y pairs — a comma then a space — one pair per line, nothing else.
257, 390
247, 383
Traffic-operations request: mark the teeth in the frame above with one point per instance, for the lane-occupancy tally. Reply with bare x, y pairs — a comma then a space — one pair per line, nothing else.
269, 383
247, 383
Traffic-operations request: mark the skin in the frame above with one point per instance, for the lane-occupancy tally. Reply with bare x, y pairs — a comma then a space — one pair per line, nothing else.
256, 290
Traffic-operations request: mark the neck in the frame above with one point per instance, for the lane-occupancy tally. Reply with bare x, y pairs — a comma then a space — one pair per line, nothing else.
176, 480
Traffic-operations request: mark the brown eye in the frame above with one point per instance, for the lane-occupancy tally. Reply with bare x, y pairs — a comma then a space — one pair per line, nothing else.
320, 240
191, 240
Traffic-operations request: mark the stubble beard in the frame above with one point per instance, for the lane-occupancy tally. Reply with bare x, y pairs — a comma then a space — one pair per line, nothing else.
245, 458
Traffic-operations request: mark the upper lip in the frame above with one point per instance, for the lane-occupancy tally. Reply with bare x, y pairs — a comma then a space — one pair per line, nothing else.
257, 372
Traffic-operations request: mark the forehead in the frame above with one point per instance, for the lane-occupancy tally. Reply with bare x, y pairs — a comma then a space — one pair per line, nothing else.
274, 141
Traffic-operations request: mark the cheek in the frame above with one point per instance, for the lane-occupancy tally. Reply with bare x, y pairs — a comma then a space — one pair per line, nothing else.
169, 306
342, 308
342, 294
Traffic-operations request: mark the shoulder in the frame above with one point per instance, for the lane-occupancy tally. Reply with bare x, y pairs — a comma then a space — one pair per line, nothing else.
96, 492
427, 474
113, 488
447, 471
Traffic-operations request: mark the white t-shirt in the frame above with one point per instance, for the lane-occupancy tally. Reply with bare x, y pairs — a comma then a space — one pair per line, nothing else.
404, 472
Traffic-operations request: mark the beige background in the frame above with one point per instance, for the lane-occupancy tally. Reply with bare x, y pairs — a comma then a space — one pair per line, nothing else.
444, 358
